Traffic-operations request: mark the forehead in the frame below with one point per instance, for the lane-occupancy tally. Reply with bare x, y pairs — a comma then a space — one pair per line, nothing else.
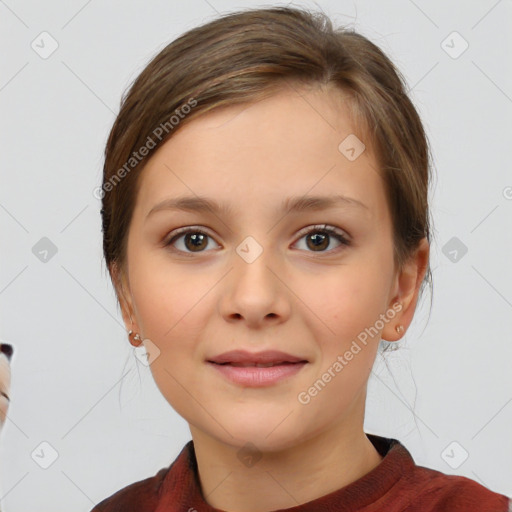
285, 145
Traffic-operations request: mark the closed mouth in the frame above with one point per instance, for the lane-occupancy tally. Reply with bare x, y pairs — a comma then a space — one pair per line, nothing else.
259, 365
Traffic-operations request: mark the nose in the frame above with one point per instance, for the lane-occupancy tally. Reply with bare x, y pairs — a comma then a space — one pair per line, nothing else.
255, 291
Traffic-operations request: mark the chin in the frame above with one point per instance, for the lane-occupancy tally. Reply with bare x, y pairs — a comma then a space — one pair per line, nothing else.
276, 438
248, 440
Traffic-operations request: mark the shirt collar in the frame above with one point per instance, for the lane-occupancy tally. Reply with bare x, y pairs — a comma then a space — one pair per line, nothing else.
181, 488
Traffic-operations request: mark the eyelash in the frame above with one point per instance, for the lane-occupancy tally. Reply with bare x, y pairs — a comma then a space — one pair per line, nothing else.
323, 228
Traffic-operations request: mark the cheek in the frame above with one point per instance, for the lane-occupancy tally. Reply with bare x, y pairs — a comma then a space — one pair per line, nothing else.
171, 306
165, 297
344, 302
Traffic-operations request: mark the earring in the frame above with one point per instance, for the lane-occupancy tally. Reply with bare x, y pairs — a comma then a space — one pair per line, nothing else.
135, 338
399, 329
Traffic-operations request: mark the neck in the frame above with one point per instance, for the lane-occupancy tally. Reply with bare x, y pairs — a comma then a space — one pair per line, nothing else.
285, 478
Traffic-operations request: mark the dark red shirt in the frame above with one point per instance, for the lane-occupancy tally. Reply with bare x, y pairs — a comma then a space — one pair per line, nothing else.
397, 484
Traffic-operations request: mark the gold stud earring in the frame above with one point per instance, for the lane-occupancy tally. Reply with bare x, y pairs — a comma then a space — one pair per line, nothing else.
399, 329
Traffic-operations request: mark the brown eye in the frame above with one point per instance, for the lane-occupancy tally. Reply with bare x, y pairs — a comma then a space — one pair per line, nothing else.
318, 238
194, 240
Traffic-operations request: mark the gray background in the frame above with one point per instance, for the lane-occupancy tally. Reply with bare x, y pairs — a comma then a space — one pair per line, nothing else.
76, 383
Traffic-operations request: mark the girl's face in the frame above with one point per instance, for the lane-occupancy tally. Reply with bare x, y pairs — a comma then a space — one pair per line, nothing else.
263, 277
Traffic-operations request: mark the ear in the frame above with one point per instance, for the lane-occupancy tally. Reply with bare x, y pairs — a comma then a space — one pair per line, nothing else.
124, 296
407, 289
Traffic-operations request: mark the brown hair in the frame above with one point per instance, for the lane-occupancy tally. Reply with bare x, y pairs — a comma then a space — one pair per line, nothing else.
246, 56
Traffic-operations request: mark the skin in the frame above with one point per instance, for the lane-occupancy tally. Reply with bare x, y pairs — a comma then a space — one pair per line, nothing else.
5, 385
305, 301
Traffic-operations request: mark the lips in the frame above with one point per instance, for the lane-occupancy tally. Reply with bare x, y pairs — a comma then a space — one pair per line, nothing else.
257, 365
257, 369
265, 359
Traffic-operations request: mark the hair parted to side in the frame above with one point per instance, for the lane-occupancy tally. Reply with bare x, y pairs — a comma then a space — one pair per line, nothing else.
246, 56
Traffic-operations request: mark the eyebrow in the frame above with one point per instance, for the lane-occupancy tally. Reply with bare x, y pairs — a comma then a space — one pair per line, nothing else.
292, 204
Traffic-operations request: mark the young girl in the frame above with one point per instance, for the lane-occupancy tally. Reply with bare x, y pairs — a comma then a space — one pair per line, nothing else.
266, 224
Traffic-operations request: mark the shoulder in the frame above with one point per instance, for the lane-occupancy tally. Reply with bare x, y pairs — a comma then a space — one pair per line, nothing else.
415, 488
145, 495
142, 495
437, 491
